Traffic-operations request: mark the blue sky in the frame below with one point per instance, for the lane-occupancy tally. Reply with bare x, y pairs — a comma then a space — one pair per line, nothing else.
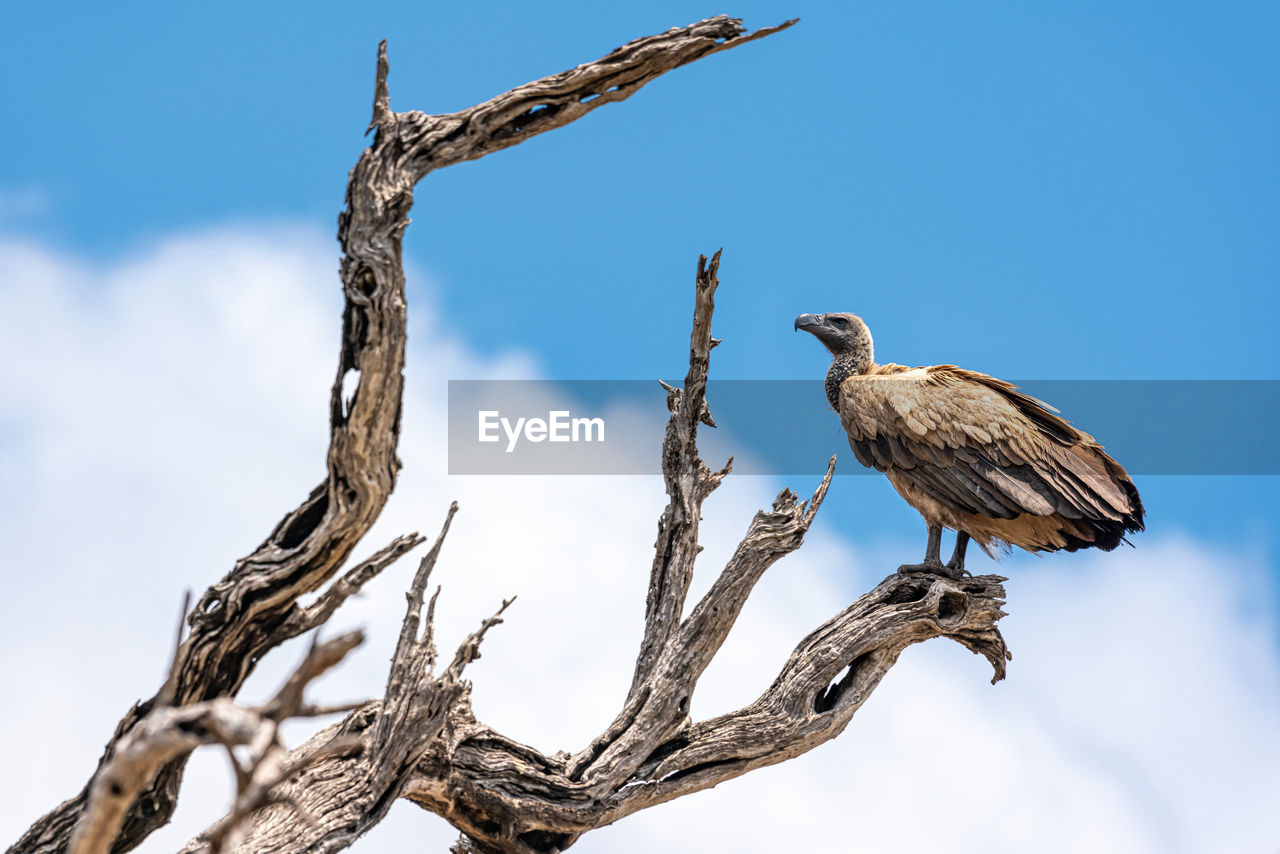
1088, 191
1084, 192
1067, 193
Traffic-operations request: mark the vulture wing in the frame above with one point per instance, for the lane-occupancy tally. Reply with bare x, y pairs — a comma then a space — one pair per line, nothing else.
987, 458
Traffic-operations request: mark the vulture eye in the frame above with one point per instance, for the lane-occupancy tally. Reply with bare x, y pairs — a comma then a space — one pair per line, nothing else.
840, 323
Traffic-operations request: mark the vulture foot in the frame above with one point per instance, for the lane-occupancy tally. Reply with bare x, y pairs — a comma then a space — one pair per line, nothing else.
956, 564
935, 567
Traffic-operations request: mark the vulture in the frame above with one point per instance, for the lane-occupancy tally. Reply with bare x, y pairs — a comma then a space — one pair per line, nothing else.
974, 454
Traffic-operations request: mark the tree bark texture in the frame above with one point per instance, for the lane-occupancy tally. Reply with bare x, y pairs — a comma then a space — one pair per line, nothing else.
420, 741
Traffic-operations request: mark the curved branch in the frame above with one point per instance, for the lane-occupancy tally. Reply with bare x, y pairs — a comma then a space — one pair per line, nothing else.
382, 741
512, 798
825, 681
662, 710
422, 742
168, 731
514, 116
255, 607
507, 797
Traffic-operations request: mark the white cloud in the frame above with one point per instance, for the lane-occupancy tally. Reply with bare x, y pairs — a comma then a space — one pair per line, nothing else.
164, 411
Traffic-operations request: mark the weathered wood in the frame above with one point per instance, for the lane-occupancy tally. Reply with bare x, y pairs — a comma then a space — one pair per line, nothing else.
688, 482
510, 798
255, 607
421, 741
339, 794
171, 731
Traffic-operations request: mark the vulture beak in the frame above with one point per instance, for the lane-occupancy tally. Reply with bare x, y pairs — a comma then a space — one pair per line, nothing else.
809, 322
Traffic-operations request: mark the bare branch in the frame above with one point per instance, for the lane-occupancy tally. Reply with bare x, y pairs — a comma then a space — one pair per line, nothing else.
164, 697
415, 651
469, 649
826, 680
507, 797
254, 608
318, 613
771, 536
382, 115
421, 741
382, 743
320, 658
272, 767
688, 482
552, 102
168, 732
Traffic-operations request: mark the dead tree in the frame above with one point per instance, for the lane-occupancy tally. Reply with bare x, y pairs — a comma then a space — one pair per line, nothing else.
421, 741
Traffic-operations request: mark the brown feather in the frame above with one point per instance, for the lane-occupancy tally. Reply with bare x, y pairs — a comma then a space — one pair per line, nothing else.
976, 454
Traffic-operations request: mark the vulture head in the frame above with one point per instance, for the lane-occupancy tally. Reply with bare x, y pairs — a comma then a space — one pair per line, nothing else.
845, 335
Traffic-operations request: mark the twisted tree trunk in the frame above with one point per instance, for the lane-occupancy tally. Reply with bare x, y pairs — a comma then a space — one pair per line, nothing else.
421, 740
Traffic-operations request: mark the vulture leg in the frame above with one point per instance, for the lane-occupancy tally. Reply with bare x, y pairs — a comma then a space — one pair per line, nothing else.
932, 560
956, 564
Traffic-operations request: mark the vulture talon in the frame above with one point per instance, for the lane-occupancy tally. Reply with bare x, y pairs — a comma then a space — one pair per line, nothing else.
945, 570
956, 564
933, 567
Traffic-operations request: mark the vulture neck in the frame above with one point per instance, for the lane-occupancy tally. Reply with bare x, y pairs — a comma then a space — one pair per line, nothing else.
842, 367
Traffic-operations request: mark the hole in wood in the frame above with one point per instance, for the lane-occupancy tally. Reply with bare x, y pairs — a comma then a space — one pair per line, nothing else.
908, 593
304, 521
826, 700
350, 386
488, 827
544, 840
662, 751
193, 727
542, 111
951, 607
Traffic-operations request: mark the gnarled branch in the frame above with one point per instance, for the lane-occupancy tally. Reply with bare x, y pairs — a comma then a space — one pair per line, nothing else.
255, 607
382, 741
508, 797
171, 731
421, 741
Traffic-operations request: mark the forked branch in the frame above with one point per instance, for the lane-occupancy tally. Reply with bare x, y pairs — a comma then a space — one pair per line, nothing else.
256, 606
421, 741
353, 771
171, 731
508, 797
